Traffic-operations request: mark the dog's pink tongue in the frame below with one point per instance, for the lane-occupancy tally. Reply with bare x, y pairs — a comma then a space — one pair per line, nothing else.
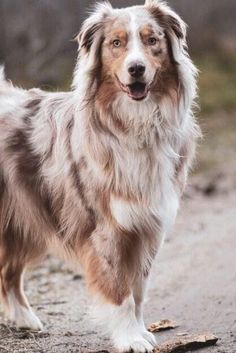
137, 95
137, 91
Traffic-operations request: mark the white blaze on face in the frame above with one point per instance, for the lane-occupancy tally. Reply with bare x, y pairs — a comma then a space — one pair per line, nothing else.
136, 51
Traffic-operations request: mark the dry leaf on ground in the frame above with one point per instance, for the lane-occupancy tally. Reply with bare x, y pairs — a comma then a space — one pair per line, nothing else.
162, 325
187, 343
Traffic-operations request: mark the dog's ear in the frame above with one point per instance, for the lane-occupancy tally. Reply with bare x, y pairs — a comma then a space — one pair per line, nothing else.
90, 31
167, 18
173, 26
92, 27
90, 40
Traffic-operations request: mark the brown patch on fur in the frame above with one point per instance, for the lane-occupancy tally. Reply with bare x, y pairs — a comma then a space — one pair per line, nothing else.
13, 261
121, 34
86, 217
104, 276
126, 194
11, 281
111, 259
156, 51
75, 173
2, 183
112, 59
146, 32
107, 91
105, 96
32, 107
28, 169
166, 82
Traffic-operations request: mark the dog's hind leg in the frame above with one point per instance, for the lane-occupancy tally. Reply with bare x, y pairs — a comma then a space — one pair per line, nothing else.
14, 300
17, 250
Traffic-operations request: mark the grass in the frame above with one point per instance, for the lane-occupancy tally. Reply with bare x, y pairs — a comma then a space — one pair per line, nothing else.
217, 82
217, 101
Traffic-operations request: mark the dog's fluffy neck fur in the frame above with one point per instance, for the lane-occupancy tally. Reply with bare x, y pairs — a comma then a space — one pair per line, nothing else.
144, 124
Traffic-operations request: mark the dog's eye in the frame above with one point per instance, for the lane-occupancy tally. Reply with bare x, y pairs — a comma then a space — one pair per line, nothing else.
116, 43
152, 41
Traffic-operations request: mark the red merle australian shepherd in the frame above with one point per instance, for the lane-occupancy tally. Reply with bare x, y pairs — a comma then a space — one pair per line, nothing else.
99, 170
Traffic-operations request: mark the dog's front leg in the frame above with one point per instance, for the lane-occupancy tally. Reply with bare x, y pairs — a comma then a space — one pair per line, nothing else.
139, 292
123, 327
110, 272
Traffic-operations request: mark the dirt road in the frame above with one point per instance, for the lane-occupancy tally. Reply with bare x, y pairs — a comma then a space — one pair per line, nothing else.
193, 281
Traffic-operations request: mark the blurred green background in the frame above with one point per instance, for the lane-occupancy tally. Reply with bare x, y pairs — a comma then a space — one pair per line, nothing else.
37, 48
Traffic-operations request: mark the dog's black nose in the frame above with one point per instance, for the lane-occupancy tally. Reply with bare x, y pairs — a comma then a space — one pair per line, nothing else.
136, 70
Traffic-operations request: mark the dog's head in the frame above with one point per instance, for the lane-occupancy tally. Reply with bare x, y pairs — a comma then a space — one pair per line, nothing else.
131, 51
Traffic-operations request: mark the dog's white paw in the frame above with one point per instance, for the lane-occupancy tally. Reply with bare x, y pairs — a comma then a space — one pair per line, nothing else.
24, 317
136, 344
21, 315
148, 336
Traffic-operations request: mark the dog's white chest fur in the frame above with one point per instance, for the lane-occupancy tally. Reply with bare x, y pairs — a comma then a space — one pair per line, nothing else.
149, 172
143, 166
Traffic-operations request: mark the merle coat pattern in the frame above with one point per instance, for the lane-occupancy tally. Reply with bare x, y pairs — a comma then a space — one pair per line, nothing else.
98, 172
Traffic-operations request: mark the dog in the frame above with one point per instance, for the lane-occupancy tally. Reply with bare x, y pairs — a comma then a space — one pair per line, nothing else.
99, 171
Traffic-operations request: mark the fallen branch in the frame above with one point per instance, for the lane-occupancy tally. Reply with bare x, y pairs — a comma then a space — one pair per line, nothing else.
162, 325
187, 343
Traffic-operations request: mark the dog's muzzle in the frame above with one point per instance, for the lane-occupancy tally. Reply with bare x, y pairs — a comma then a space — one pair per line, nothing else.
137, 90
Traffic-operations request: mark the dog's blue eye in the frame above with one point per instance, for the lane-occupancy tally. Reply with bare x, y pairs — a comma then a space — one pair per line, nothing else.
152, 41
117, 43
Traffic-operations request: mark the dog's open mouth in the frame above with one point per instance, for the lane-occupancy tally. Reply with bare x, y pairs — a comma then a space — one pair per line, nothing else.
137, 90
